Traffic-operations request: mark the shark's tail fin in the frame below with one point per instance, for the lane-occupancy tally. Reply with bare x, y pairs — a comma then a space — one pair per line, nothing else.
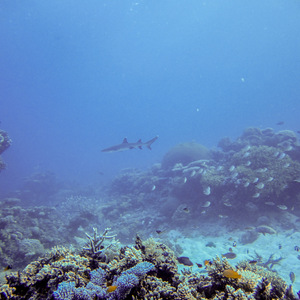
149, 143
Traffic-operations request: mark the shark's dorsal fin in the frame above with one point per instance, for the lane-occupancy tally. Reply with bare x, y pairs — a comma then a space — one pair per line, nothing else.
139, 141
125, 141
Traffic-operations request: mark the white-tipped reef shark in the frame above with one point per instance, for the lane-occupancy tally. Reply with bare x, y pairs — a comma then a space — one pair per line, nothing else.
127, 146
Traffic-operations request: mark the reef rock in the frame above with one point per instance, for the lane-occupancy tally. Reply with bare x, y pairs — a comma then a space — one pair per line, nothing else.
184, 154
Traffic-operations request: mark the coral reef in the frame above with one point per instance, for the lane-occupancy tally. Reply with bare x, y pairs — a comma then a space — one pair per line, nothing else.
251, 183
150, 273
184, 154
25, 233
258, 174
96, 288
5, 143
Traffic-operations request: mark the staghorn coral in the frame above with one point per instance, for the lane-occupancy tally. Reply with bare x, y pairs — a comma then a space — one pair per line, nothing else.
96, 246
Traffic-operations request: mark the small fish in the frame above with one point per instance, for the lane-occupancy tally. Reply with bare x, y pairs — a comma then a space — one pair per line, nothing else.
249, 228
255, 180
248, 163
246, 184
230, 249
160, 231
256, 195
246, 154
247, 148
206, 191
153, 188
279, 246
232, 274
207, 262
280, 123
223, 216
253, 262
282, 155
206, 204
186, 209
111, 288
292, 277
193, 173
264, 229
199, 265
234, 244
282, 207
297, 248
235, 174
270, 203
286, 165
184, 180
276, 153
231, 168
8, 267
260, 185
270, 179
228, 204
184, 261
219, 168
229, 255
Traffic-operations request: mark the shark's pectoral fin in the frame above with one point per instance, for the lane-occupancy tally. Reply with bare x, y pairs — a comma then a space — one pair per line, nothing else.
140, 147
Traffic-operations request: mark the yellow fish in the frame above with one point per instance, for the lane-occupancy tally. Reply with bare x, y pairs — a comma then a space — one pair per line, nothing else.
111, 288
232, 274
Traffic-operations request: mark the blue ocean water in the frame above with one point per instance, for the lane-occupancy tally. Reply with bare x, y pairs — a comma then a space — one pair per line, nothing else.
77, 77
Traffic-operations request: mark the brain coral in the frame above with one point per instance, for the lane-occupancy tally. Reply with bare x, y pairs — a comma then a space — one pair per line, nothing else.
184, 153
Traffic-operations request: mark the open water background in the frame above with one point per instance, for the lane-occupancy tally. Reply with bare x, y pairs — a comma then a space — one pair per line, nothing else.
79, 76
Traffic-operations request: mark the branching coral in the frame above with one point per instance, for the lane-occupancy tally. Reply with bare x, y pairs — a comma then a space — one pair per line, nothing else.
96, 246
96, 289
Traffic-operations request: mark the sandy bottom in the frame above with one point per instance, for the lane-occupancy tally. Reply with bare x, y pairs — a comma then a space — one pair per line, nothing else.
280, 245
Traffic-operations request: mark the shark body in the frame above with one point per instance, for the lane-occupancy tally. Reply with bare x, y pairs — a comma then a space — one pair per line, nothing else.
128, 146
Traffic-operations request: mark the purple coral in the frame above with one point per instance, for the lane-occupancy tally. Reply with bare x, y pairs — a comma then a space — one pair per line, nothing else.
65, 290
128, 279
